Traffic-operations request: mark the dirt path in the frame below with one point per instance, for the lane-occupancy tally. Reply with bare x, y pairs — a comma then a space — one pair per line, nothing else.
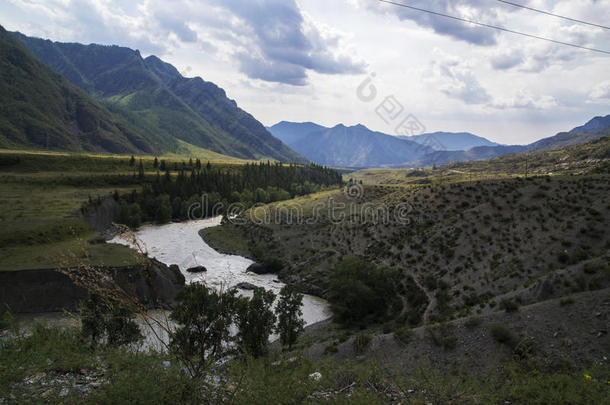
431, 300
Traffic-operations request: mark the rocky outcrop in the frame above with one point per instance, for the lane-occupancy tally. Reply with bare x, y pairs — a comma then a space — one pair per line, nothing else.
49, 290
258, 268
245, 286
197, 269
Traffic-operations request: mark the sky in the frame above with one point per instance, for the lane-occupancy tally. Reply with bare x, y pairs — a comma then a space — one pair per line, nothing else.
395, 70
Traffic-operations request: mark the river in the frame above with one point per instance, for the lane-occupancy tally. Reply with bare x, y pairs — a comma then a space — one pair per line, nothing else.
179, 243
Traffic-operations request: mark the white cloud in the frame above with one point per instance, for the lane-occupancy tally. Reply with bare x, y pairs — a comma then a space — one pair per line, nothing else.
601, 92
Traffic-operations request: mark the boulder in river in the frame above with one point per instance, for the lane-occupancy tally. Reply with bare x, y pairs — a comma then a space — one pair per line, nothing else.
245, 286
197, 269
258, 268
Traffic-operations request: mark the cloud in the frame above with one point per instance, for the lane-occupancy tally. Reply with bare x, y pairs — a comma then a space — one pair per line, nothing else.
278, 44
475, 10
176, 25
507, 60
455, 78
601, 92
528, 100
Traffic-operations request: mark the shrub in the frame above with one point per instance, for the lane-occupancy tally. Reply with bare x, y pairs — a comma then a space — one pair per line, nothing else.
403, 335
442, 336
566, 301
502, 334
473, 322
361, 343
509, 305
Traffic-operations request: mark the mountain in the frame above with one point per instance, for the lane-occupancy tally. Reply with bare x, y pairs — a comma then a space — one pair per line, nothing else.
593, 124
596, 128
452, 141
153, 96
292, 132
348, 146
478, 153
41, 109
356, 146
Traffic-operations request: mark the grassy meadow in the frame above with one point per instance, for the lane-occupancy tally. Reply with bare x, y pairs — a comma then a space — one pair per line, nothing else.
41, 194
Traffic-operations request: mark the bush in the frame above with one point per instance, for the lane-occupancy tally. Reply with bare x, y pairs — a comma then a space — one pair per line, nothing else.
359, 291
509, 305
442, 336
566, 301
502, 334
473, 322
403, 335
361, 343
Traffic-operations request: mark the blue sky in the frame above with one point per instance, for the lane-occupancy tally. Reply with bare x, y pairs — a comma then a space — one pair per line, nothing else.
303, 60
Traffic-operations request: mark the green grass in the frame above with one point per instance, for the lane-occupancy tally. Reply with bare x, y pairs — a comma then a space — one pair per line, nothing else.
227, 238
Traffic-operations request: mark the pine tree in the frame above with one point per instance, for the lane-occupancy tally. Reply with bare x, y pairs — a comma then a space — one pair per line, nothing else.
132, 161
156, 163
141, 170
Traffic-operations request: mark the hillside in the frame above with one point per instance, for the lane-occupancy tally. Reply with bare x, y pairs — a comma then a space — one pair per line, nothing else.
153, 97
41, 109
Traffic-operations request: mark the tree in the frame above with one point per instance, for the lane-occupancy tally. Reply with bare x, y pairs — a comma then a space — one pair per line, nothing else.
156, 163
163, 209
289, 314
358, 289
132, 161
141, 170
107, 321
204, 317
255, 322
162, 166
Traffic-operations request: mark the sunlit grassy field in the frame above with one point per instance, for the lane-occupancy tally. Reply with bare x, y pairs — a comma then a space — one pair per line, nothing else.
42, 192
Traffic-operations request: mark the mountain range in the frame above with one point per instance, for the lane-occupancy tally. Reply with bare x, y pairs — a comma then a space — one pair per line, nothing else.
341, 146
150, 99
40, 108
357, 146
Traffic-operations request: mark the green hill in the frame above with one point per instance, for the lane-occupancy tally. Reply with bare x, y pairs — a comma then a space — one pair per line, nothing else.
152, 96
41, 109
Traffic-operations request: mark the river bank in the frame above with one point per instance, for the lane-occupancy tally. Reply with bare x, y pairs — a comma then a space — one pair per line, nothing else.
50, 290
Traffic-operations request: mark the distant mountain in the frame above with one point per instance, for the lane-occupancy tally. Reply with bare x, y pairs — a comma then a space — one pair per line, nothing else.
577, 136
41, 109
154, 97
307, 138
291, 132
355, 146
593, 124
451, 141
477, 153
